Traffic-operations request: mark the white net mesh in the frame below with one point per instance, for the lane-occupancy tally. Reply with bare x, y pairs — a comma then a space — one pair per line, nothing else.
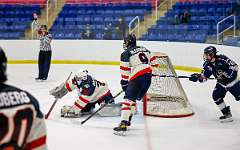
166, 96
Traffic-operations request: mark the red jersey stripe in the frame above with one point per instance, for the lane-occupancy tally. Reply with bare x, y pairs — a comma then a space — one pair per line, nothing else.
101, 98
36, 143
125, 68
83, 100
141, 72
124, 77
153, 58
126, 103
126, 108
68, 87
76, 104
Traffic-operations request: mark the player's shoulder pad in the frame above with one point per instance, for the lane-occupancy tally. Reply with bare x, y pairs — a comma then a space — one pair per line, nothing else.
144, 48
89, 77
221, 56
36, 105
125, 56
205, 64
23, 96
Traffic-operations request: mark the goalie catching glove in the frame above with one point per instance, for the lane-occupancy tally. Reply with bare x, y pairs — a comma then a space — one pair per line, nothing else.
59, 91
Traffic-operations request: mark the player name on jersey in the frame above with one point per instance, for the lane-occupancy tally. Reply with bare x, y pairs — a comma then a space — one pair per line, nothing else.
13, 98
136, 50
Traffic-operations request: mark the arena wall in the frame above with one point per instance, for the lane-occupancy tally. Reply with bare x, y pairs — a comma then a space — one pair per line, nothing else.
185, 56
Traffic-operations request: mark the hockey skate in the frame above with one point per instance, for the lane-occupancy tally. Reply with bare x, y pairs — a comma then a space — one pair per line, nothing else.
227, 116
70, 112
122, 129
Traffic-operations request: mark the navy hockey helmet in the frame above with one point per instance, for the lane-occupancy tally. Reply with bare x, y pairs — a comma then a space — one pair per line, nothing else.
211, 52
129, 41
3, 66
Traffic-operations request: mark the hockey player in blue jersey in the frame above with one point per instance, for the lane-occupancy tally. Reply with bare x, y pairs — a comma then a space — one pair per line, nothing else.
225, 71
136, 73
22, 125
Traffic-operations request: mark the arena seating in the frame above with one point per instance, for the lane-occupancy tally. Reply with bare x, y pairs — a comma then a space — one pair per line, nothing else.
232, 41
74, 17
16, 17
23, 2
152, 2
204, 17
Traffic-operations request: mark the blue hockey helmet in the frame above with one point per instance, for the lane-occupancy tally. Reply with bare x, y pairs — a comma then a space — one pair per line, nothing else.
210, 50
209, 53
3, 66
129, 41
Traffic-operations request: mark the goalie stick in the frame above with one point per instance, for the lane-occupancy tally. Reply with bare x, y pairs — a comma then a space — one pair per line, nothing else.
93, 114
172, 76
55, 101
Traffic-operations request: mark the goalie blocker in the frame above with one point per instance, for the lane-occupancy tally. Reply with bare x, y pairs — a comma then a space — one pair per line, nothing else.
90, 92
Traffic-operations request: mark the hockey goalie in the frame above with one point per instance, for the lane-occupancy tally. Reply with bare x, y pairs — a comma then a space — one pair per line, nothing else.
90, 92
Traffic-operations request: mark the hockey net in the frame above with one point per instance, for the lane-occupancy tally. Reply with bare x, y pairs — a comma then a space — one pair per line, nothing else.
166, 97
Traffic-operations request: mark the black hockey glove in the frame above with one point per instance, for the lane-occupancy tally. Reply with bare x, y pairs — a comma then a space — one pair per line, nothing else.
109, 99
194, 77
124, 84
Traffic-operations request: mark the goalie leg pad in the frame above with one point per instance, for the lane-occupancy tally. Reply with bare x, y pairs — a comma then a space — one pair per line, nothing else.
70, 111
110, 110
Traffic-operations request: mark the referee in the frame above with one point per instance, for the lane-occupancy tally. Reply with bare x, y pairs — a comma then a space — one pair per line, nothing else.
45, 54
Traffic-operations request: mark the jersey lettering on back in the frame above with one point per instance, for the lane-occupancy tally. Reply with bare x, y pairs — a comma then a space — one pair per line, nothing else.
18, 110
135, 61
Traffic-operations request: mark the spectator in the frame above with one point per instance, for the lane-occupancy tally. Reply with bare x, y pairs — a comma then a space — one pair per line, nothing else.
121, 28
186, 17
182, 17
45, 54
108, 32
176, 19
88, 33
35, 26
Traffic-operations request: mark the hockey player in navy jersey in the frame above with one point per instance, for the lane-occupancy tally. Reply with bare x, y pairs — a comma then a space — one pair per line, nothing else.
136, 74
225, 71
90, 92
22, 125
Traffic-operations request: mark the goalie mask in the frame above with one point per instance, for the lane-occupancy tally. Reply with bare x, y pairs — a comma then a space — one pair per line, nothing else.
129, 41
3, 66
209, 53
81, 75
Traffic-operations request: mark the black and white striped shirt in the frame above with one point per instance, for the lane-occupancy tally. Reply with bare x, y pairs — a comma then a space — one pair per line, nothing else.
45, 42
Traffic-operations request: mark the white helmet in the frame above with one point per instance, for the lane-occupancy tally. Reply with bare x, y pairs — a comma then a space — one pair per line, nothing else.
81, 75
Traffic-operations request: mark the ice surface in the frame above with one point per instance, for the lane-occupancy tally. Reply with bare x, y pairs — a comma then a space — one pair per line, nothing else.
199, 132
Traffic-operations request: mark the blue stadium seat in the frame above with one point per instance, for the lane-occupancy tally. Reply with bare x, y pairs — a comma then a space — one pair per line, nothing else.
98, 16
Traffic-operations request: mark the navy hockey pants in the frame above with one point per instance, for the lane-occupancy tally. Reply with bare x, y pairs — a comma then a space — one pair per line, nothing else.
44, 61
106, 99
138, 87
220, 92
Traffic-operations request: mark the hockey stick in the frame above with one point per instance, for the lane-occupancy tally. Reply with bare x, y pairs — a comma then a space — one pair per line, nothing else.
93, 114
55, 101
172, 76
51, 108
